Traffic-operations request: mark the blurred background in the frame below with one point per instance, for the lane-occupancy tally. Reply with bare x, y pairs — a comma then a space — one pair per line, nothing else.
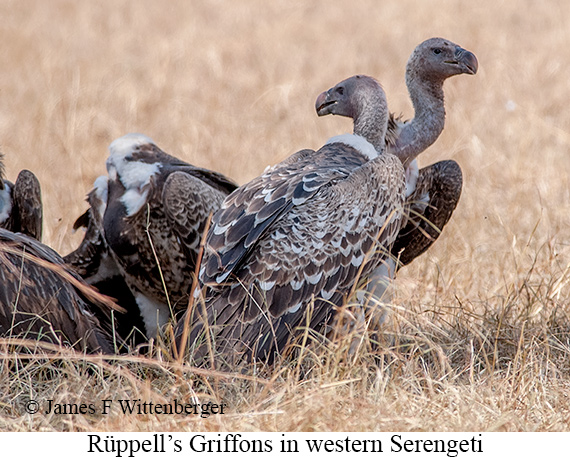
231, 86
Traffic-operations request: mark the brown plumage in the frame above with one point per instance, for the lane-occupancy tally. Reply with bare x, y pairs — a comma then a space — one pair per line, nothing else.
286, 248
42, 299
21, 204
433, 192
95, 263
145, 224
429, 208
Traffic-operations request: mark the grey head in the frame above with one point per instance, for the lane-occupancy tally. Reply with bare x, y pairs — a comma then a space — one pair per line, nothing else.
431, 63
437, 59
361, 98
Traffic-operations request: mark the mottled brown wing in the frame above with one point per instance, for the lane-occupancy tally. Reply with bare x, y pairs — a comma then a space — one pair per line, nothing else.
92, 259
314, 250
188, 202
42, 299
251, 210
151, 153
2, 171
214, 179
430, 207
27, 212
95, 263
86, 259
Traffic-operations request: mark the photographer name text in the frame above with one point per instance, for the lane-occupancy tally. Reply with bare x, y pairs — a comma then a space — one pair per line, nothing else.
135, 407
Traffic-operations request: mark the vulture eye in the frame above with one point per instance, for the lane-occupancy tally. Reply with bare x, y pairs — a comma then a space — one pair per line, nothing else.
340, 90
436, 50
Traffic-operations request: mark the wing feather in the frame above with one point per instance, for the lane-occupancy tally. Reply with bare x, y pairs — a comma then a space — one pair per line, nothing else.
28, 197
26, 215
279, 276
430, 207
265, 199
187, 204
48, 304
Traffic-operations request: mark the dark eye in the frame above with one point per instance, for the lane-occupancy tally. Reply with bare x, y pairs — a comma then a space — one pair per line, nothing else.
340, 90
436, 50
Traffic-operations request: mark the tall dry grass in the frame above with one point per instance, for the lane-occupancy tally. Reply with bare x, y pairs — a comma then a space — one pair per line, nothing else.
479, 335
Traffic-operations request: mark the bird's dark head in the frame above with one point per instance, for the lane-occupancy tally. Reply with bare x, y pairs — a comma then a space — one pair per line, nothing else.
349, 97
437, 59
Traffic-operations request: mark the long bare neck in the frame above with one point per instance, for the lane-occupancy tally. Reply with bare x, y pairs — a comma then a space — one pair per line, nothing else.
371, 123
421, 132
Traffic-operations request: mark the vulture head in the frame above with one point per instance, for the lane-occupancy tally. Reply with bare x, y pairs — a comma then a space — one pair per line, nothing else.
363, 99
349, 97
437, 59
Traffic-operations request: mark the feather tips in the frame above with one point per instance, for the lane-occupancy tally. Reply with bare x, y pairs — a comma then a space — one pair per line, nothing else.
52, 302
274, 256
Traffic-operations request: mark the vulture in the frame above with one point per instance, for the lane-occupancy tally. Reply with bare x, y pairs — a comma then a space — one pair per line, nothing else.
43, 299
94, 262
432, 192
21, 203
144, 227
286, 249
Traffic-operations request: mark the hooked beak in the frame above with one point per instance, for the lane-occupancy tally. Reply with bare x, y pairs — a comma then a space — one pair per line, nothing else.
323, 103
466, 60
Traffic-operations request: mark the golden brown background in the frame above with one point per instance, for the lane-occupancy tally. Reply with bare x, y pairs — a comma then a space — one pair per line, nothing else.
231, 86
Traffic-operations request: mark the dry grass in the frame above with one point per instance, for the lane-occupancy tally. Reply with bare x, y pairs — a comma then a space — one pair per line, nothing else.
480, 330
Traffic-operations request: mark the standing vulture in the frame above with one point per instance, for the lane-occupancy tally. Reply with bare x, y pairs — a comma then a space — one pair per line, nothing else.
21, 203
433, 194
286, 248
147, 217
42, 299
